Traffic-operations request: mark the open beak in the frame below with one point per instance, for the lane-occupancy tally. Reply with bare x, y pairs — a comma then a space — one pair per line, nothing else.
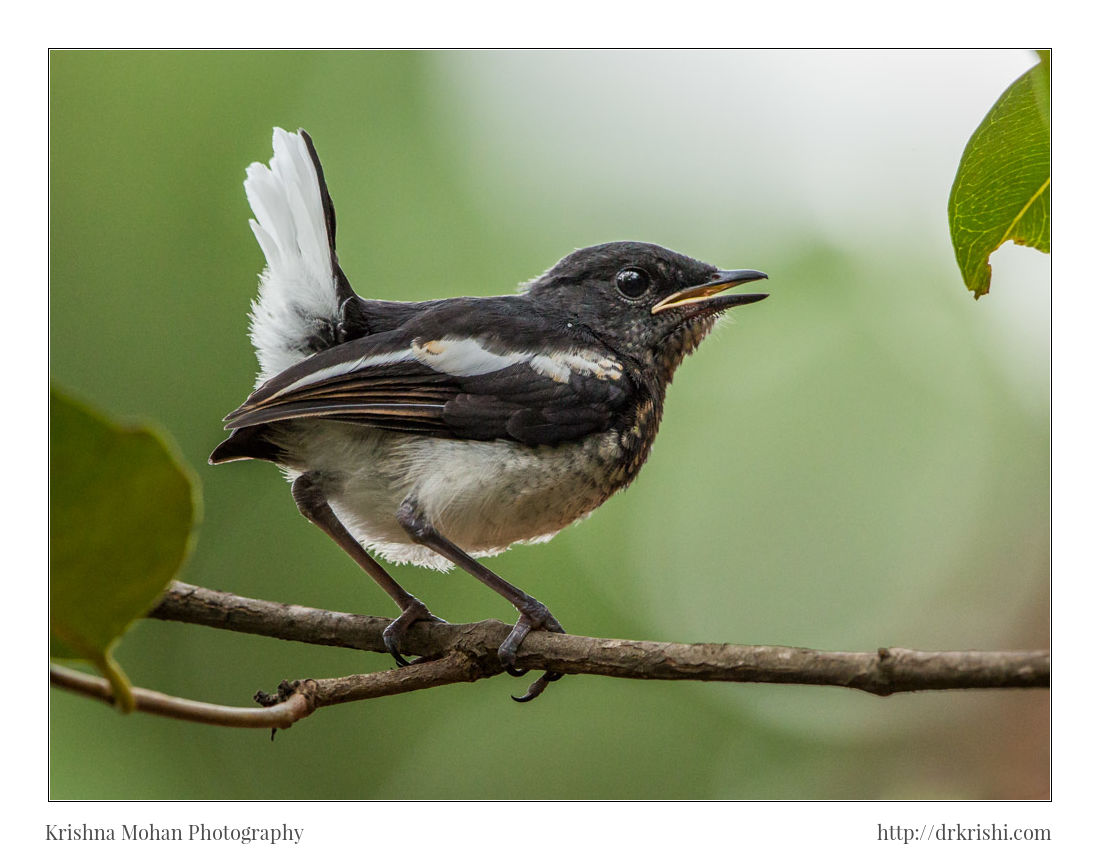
707, 294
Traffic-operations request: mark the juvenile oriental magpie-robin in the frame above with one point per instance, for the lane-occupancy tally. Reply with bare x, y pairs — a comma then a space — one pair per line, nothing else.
440, 431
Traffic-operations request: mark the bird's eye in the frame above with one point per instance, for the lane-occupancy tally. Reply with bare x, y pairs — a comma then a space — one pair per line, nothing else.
632, 283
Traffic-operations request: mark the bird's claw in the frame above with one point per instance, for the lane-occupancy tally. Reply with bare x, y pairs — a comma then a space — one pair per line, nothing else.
540, 684
537, 618
395, 632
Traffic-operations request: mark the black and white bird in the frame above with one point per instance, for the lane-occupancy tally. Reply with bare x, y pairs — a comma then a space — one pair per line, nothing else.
438, 432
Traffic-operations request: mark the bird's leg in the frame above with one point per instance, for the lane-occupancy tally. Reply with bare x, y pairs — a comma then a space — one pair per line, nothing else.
311, 501
533, 615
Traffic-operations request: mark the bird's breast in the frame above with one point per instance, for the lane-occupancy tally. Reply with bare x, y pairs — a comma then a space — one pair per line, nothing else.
487, 495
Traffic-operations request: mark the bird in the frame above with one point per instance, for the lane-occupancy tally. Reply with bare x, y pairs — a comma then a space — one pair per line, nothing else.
443, 431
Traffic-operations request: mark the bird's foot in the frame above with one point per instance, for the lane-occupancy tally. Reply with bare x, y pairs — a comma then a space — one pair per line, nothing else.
393, 634
534, 616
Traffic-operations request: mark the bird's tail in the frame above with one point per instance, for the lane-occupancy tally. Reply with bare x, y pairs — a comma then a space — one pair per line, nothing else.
301, 288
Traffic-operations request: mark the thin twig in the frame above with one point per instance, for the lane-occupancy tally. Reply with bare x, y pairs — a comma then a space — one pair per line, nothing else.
295, 700
279, 716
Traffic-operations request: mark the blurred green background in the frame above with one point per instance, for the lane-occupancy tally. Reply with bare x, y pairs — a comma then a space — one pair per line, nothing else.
862, 460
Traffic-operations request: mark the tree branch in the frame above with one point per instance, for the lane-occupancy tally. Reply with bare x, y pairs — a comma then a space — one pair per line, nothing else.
886, 671
452, 653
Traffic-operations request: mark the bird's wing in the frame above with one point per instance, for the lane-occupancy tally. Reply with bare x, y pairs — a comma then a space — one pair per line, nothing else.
454, 386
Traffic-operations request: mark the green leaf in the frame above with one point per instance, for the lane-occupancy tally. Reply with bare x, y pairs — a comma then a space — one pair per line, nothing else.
1002, 189
122, 512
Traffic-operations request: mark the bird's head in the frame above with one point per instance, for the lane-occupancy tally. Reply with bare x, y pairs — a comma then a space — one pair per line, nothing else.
644, 300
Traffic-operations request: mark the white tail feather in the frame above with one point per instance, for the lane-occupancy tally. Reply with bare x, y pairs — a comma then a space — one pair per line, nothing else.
298, 294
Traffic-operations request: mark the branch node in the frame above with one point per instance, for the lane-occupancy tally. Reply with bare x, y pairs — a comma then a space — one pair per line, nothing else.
284, 691
882, 682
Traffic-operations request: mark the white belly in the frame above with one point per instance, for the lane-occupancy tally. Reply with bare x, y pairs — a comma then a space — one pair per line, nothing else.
483, 496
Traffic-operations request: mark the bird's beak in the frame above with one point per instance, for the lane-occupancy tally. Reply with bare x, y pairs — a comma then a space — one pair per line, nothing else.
704, 293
